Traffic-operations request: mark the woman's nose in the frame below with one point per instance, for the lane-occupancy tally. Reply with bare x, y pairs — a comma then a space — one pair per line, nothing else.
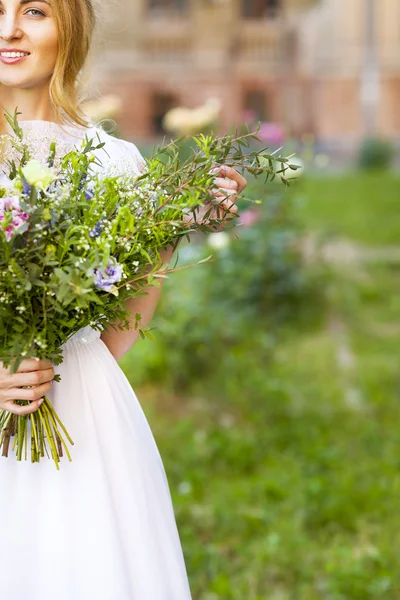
9, 28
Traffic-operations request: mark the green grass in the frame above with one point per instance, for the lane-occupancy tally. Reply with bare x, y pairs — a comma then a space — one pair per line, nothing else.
362, 207
286, 479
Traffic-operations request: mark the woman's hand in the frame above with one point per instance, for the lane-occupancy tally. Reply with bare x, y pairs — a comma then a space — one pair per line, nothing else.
229, 184
31, 372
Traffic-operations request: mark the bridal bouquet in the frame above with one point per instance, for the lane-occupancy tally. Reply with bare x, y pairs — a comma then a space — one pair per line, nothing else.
74, 246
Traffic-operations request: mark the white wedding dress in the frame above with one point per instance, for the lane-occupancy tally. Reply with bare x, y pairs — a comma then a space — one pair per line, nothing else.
103, 527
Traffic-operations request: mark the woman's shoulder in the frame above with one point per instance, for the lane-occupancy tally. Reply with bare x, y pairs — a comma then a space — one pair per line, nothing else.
117, 156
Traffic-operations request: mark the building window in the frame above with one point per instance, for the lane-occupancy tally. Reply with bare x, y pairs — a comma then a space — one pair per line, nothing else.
261, 9
167, 8
162, 102
255, 105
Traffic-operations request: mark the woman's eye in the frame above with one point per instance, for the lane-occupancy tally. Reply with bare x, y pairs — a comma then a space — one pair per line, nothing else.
35, 12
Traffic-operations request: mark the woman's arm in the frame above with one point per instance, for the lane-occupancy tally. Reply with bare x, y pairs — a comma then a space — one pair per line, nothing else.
228, 185
120, 342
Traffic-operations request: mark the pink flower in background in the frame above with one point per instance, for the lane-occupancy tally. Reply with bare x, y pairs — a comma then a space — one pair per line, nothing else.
19, 216
272, 133
250, 217
249, 116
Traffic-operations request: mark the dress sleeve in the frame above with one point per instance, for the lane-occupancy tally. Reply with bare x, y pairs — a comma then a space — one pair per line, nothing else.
120, 157
131, 157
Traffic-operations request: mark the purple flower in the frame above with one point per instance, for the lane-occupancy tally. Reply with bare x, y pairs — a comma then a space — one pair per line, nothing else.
105, 279
96, 231
27, 188
82, 181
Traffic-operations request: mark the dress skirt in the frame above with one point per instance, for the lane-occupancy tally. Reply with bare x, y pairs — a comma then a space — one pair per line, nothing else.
103, 526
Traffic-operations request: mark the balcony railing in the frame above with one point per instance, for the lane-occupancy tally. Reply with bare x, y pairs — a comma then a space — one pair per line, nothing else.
252, 43
170, 44
258, 44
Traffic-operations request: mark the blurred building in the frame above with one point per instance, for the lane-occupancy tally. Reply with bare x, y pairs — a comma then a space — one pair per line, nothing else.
330, 68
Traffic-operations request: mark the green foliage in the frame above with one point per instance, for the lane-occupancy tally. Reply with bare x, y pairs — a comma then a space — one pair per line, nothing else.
376, 153
79, 225
76, 244
236, 305
284, 470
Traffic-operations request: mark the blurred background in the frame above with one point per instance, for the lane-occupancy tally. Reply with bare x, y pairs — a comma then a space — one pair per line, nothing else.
272, 386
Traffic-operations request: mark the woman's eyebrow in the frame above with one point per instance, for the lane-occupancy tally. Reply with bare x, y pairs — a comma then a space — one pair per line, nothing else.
24, 2
30, 1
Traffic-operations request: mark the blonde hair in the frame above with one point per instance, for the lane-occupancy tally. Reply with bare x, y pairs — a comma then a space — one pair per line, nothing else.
75, 22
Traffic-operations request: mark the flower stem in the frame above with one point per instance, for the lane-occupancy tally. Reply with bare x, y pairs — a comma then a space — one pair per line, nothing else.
47, 432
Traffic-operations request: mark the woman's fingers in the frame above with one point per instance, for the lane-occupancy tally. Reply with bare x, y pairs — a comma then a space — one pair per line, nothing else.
22, 411
31, 394
229, 209
32, 378
31, 383
228, 198
32, 364
232, 174
229, 206
223, 192
225, 183
226, 207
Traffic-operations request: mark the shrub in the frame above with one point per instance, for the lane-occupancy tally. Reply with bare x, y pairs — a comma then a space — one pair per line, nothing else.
376, 153
223, 315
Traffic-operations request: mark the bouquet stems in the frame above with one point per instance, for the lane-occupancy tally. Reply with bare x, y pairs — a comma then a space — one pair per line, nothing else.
46, 435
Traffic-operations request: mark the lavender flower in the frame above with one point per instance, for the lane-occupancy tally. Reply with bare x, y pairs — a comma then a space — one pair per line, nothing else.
97, 229
82, 181
105, 279
27, 187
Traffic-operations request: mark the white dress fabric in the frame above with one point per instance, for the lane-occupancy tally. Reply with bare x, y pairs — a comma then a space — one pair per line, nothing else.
103, 527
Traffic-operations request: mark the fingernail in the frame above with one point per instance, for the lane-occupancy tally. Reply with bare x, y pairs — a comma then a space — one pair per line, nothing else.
40, 401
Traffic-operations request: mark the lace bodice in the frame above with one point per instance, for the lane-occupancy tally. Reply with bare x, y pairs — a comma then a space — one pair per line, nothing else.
118, 157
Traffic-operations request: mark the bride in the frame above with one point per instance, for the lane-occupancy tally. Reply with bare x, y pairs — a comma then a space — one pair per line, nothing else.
103, 527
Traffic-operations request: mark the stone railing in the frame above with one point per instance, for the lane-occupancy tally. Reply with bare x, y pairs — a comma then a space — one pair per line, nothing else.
166, 42
258, 43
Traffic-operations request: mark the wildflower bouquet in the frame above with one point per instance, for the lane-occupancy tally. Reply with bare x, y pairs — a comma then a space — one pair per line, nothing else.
75, 245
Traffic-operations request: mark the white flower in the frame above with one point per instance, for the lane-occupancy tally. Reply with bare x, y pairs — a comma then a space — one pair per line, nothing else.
219, 240
106, 107
38, 175
189, 121
184, 488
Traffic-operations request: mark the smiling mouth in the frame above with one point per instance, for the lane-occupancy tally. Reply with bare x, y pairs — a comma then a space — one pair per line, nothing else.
14, 54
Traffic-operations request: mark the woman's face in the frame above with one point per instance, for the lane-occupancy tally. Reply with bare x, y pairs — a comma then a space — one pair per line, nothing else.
28, 42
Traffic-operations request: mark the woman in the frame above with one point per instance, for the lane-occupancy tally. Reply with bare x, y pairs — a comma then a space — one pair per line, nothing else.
102, 527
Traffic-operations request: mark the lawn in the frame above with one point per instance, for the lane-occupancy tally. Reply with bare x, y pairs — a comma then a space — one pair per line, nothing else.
360, 207
286, 480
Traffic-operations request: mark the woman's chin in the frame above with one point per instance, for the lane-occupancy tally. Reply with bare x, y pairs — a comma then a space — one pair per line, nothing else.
12, 81
16, 81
